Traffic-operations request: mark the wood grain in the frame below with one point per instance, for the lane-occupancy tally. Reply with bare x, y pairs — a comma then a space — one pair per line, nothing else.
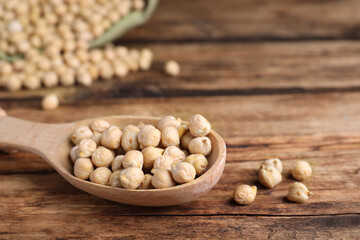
243, 20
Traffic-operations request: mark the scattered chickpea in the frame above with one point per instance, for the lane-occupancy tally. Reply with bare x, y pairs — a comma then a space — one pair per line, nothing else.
150, 154
183, 172
117, 163
86, 147
114, 179
163, 179
131, 178
146, 183
200, 145
83, 168
129, 139
199, 162
170, 137
99, 125
133, 158
50, 102
102, 157
162, 162
100, 175
111, 137
175, 153
269, 176
273, 162
185, 140
149, 136
301, 170
199, 126
244, 194
80, 133
298, 192
172, 68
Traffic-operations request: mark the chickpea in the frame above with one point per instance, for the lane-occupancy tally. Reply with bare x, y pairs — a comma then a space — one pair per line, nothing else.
185, 140
96, 137
86, 147
183, 172
106, 71
244, 194
13, 83
84, 79
273, 162
120, 69
150, 154
131, 178
32, 82
172, 68
200, 145
162, 162
301, 170
169, 121
102, 157
117, 163
129, 138
67, 78
99, 125
199, 126
298, 192
170, 137
111, 137
175, 153
199, 162
133, 158
81, 133
147, 54
83, 168
3, 113
75, 153
114, 179
269, 176
50, 102
163, 179
149, 136
182, 129
100, 175
146, 183
50, 79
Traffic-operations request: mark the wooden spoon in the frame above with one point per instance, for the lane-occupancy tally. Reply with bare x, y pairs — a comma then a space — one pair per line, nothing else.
52, 142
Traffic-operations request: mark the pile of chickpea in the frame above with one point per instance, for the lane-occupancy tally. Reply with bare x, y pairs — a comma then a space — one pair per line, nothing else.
143, 156
53, 38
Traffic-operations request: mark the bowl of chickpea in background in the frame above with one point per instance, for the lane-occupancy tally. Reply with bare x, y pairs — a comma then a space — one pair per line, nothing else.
146, 161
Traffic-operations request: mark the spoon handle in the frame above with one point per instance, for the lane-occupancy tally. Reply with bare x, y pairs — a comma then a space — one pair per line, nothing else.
28, 136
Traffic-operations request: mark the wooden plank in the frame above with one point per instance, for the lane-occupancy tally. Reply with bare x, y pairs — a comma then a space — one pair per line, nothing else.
26, 225
214, 69
259, 127
229, 20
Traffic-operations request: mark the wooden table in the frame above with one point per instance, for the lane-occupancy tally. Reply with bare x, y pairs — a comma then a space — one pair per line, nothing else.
276, 79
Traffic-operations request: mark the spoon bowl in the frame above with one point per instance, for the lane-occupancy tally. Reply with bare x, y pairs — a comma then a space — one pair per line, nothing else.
52, 142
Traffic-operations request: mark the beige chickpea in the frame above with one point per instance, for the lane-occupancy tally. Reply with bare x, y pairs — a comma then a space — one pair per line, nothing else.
149, 136
3, 113
114, 179
146, 183
83, 168
147, 54
117, 163
200, 145
131, 178
199, 126
74, 153
182, 129
175, 153
67, 78
133, 158
298, 192
13, 83
102, 157
96, 55
96, 137
32, 82
86, 147
199, 162
99, 125
172, 68
150, 154
144, 63
269, 176
162, 162
50, 79
169, 121
106, 71
163, 179
129, 139
244, 194
84, 79
81, 133
170, 137
273, 162
111, 137
50, 102
100, 175
185, 140
120, 69
183, 172
301, 170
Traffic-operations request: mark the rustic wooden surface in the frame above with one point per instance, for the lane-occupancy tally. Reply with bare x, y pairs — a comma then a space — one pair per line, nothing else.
276, 79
